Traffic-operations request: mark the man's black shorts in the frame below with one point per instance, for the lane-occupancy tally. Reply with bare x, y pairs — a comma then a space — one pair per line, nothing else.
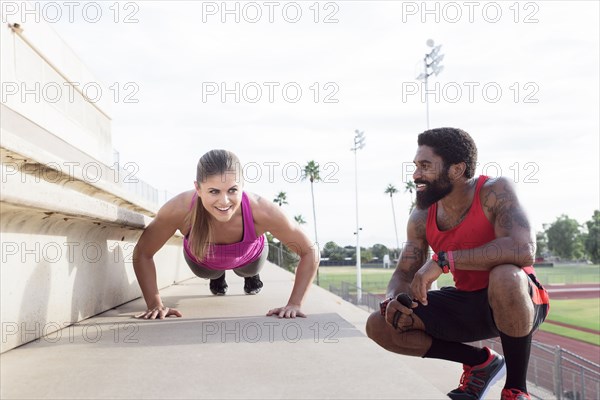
458, 316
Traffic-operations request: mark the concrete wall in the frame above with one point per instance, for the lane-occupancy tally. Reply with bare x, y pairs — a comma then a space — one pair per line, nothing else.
67, 225
43, 80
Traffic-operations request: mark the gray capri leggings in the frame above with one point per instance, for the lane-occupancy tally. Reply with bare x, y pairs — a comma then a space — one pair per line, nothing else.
245, 271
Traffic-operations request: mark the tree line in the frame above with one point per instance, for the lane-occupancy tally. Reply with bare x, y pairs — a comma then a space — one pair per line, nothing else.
569, 240
335, 252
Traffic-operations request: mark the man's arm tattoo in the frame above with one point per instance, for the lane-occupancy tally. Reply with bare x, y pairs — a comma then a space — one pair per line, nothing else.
504, 210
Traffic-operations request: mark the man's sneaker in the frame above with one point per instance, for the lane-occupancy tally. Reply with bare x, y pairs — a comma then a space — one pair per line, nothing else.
218, 286
253, 284
475, 381
514, 394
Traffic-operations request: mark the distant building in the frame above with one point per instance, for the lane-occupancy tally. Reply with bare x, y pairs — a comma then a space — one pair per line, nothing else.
386, 261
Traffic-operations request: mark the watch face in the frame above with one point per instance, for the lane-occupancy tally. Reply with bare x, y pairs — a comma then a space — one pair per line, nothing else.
442, 259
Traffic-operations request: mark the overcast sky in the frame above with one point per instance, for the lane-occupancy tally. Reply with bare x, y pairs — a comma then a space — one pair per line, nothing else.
521, 78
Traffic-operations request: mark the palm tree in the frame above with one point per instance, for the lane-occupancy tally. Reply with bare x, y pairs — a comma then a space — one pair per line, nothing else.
299, 219
391, 190
311, 172
410, 186
280, 199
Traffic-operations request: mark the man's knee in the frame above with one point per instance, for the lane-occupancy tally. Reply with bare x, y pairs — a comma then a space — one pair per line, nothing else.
506, 279
508, 289
375, 326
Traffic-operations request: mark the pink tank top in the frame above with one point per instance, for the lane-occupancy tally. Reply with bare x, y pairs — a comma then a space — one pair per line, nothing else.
474, 231
234, 255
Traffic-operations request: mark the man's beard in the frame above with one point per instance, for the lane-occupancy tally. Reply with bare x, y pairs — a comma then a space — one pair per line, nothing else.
434, 191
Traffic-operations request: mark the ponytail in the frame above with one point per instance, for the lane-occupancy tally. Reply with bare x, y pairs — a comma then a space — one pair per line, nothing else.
201, 231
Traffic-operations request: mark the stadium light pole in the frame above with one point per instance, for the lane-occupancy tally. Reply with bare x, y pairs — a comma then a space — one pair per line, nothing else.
431, 64
359, 143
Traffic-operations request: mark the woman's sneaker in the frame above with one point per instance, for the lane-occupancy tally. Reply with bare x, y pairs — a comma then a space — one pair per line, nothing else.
253, 284
476, 380
218, 286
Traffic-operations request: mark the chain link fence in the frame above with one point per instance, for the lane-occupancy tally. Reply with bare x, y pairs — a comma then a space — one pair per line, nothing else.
280, 255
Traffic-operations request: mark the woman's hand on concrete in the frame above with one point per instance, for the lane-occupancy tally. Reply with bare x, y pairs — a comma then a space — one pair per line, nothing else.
289, 311
159, 312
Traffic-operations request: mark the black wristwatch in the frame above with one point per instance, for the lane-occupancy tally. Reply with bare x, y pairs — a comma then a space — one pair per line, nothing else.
441, 258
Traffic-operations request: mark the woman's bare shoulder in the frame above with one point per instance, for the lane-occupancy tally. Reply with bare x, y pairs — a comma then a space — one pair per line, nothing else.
257, 203
259, 206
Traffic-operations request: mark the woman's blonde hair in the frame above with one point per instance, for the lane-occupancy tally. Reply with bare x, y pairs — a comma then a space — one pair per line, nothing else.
215, 162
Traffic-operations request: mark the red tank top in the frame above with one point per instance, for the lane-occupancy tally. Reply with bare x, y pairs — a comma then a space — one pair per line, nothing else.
474, 231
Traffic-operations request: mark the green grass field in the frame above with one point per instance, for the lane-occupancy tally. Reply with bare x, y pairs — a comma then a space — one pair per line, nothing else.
581, 312
568, 274
375, 280
584, 313
571, 333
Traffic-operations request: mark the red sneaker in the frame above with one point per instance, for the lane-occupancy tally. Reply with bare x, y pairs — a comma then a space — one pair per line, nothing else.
475, 381
514, 394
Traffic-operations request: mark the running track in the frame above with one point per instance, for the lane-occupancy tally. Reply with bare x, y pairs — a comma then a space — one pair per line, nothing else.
560, 292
